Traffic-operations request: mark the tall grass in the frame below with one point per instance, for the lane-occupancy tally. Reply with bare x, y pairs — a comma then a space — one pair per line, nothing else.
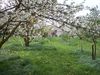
48, 56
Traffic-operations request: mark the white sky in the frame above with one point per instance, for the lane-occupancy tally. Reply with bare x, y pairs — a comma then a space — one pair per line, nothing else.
90, 3
4, 3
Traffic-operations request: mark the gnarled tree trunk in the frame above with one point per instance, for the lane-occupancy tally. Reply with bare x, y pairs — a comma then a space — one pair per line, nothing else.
3, 40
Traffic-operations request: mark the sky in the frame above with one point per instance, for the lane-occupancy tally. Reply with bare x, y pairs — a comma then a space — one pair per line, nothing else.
89, 3
4, 3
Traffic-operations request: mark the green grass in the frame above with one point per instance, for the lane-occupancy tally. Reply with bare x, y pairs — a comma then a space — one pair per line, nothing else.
49, 56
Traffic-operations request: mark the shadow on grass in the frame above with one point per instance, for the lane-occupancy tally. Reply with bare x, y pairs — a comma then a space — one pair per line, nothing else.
18, 66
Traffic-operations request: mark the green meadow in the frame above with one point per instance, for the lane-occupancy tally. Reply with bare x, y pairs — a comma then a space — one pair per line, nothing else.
48, 56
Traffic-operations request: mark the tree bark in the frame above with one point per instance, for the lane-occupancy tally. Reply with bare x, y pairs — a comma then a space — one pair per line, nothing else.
94, 50
81, 45
26, 37
26, 41
11, 33
93, 53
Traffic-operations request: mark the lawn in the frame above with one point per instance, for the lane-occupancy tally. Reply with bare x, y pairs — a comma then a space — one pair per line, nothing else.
48, 56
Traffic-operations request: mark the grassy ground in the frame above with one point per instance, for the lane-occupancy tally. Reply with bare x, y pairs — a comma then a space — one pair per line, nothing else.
49, 56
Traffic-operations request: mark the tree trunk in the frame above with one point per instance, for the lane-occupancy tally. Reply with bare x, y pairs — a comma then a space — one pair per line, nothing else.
10, 34
93, 53
1, 43
26, 41
81, 44
94, 50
